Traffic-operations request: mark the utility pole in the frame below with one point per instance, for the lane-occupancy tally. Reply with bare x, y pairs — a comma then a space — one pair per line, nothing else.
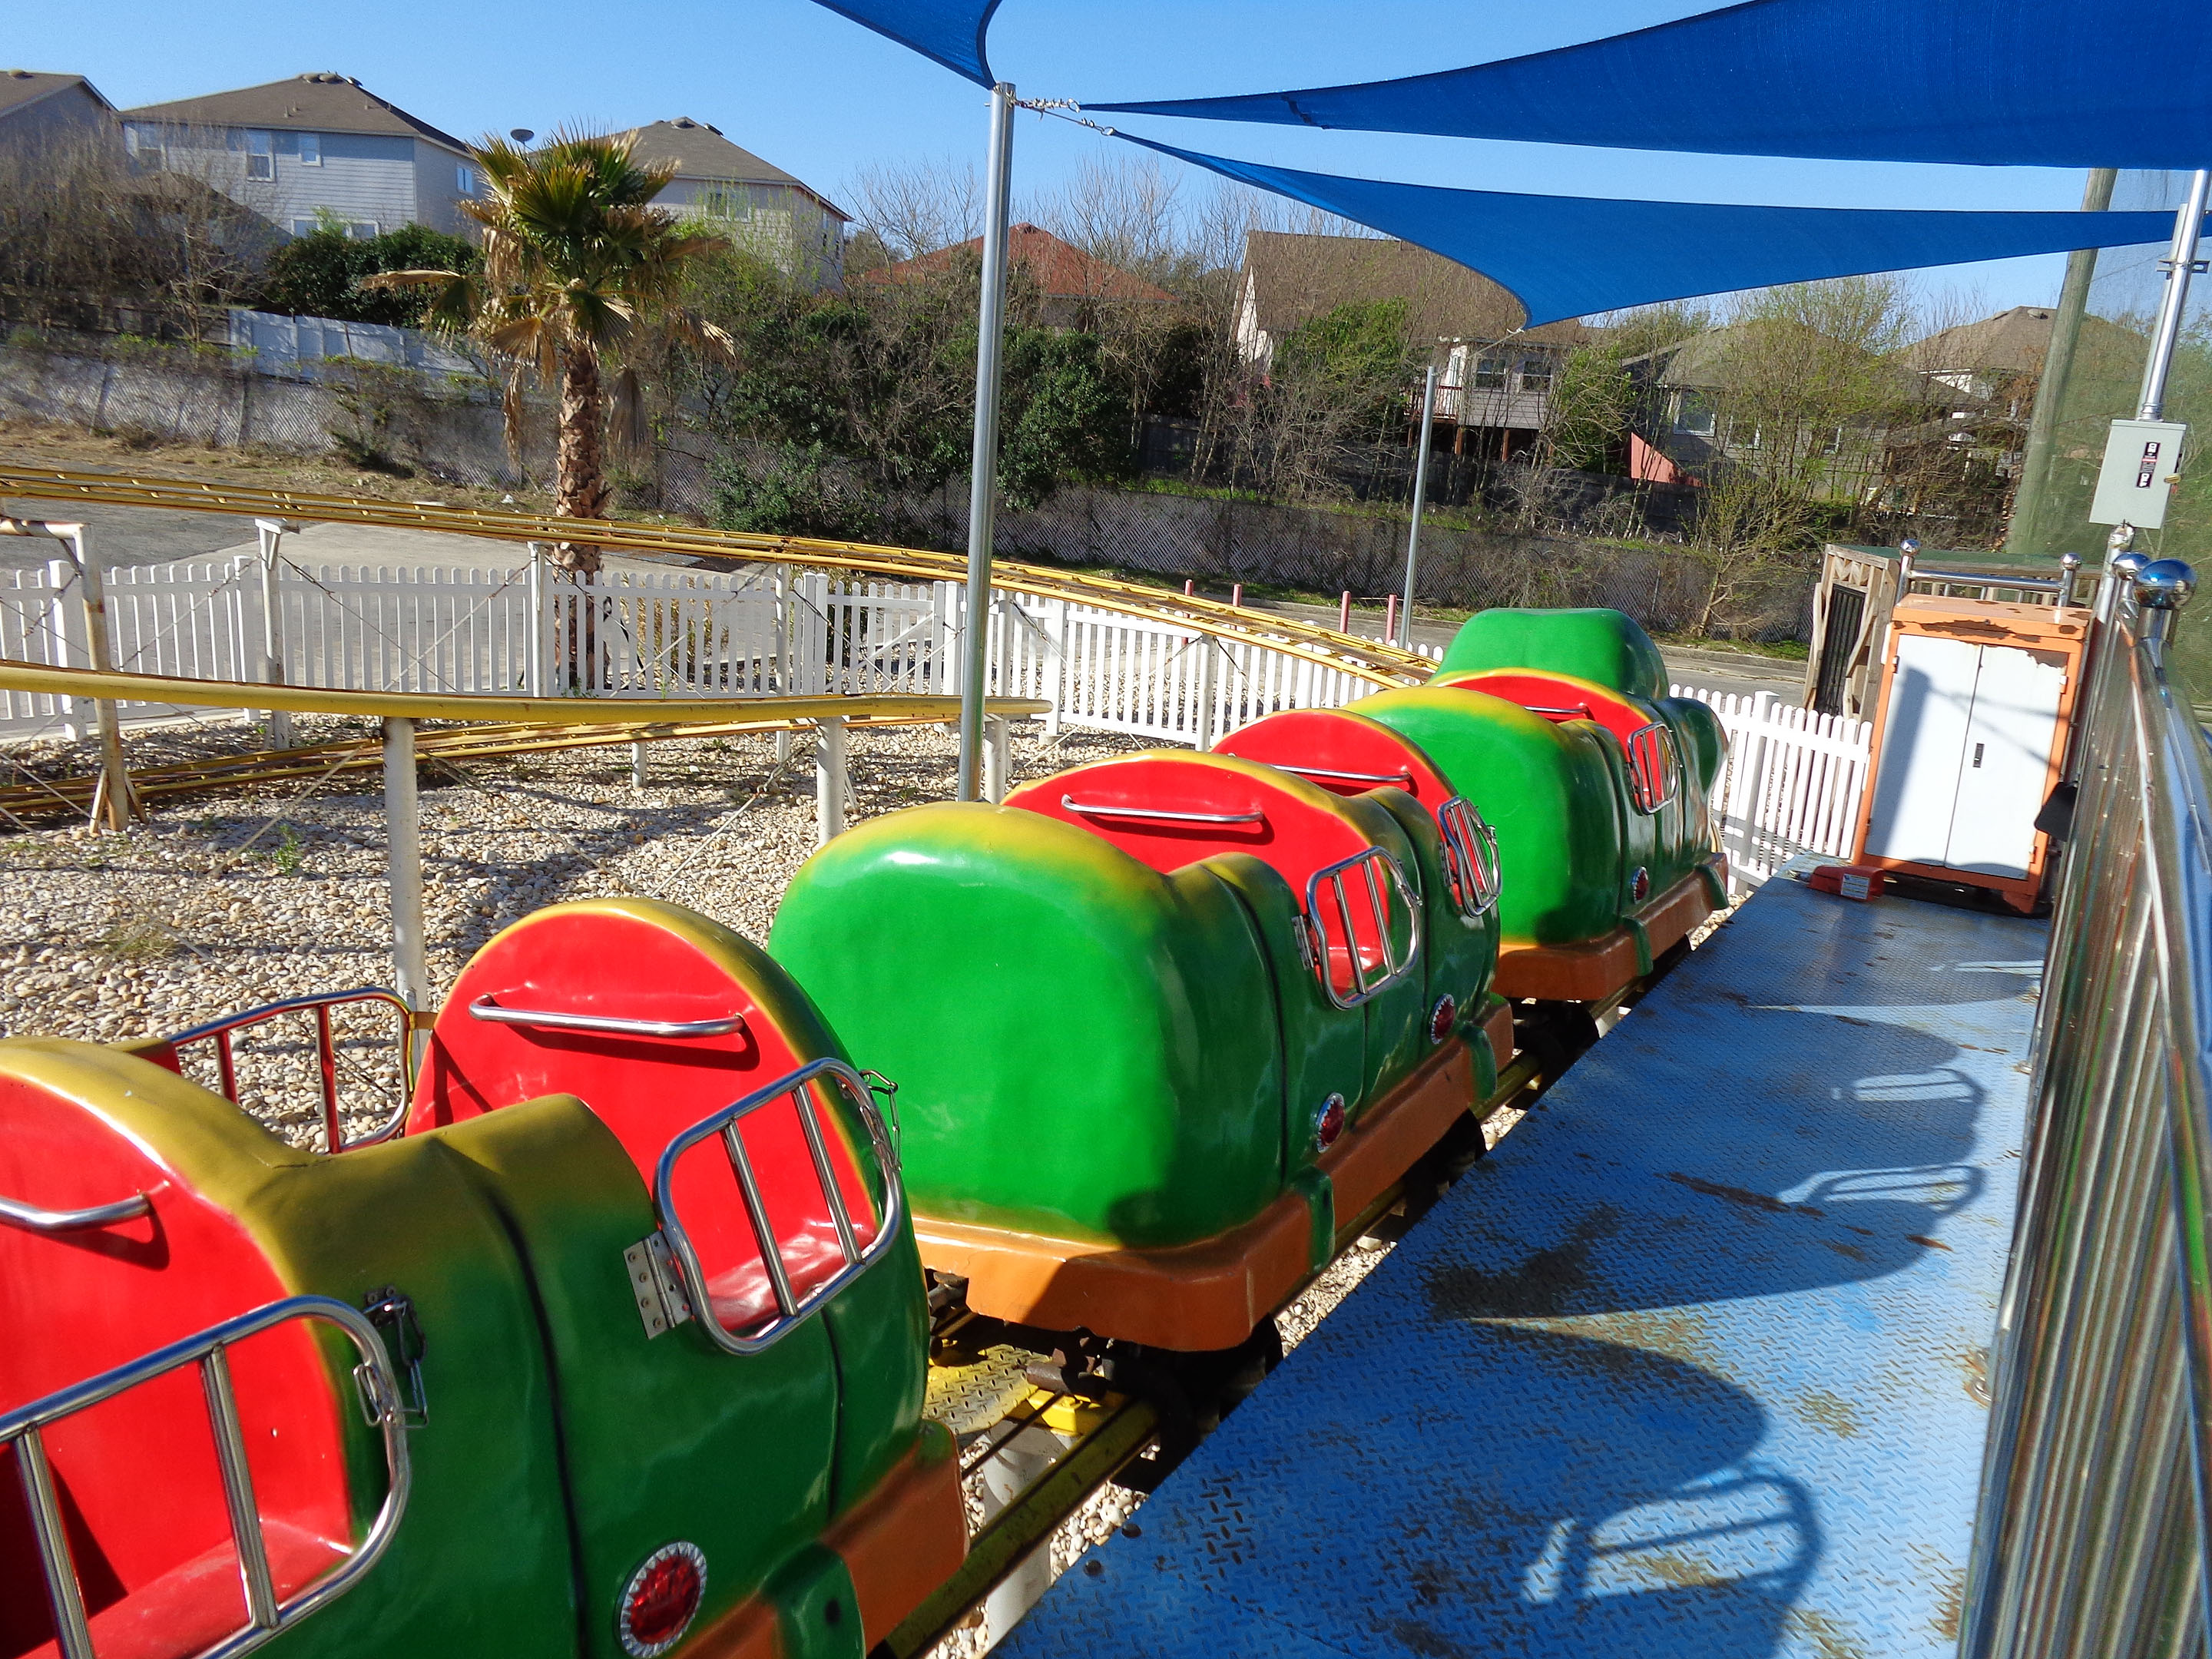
983, 479
1420, 500
2023, 537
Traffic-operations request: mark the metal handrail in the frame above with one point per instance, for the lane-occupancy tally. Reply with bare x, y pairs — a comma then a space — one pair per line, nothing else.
1471, 863
1668, 765
219, 1033
31, 1218
1402, 775
1332, 877
266, 1616
1105, 810
484, 1008
2094, 1535
790, 1310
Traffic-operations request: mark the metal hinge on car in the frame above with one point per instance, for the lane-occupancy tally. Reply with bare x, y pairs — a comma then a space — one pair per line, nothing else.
393, 1316
658, 1287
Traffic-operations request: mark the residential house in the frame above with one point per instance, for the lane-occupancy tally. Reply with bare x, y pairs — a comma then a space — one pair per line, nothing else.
40, 111
314, 149
762, 208
1071, 285
1494, 388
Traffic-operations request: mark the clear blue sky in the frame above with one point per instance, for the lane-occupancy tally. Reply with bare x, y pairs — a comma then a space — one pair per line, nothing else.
823, 97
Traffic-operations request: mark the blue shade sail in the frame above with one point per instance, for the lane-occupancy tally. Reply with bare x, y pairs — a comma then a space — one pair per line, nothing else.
1572, 256
947, 32
2000, 82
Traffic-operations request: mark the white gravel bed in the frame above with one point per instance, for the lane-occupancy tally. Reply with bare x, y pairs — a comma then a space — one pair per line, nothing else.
228, 902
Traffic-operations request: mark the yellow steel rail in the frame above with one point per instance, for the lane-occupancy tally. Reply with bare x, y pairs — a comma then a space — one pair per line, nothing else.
1371, 661
469, 705
48, 796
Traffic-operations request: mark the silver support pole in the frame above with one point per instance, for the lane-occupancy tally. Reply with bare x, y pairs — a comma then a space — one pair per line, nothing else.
403, 840
270, 533
998, 740
637, 764
983, 475
2180, 264
1420, 500
829, 781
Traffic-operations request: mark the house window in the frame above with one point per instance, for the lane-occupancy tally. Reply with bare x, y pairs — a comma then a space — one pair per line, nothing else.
465, 180
260, 155
311, 149
305, 227
1490, 374
361, 231
1693, 414
145, 144
1535, 374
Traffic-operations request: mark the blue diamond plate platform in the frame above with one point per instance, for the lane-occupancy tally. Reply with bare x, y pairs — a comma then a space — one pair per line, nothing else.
1691, 1367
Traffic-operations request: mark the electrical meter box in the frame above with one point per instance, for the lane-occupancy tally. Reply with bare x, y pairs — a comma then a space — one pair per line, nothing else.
1969, 740
2142, 464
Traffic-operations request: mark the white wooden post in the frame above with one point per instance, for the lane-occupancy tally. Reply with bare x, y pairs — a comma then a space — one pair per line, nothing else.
829, 782
115, 802
1058, 683
1750, 784
66, 627
1210, 648
540, 624
269, 532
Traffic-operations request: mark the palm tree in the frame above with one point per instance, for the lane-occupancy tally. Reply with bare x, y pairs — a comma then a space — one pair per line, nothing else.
579, 271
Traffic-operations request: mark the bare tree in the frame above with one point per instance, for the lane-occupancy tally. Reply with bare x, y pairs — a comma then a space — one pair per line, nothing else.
912, 208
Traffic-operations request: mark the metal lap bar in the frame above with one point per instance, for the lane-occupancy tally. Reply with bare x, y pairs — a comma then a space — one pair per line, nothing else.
220, 1032
1470, 857
266, 1616
1653, 767
1403, 775
484, 1008
1373, 863
1580, 711
791, 1308
1103, 810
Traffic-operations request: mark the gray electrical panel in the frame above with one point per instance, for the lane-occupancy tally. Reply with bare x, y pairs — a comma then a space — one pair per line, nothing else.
2143, 463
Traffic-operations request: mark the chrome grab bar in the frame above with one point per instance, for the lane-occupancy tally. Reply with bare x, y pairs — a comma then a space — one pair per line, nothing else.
1666, 763
1580, 711
1103, 810
31, 1218
485, 1009
1364, 990
265, 1615
790, 1310
1471, 867
1403, 775
320, 1003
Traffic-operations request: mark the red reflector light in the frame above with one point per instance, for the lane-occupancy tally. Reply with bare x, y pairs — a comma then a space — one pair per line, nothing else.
1639, 888
661, 1599
1441, 1018
1328, 1122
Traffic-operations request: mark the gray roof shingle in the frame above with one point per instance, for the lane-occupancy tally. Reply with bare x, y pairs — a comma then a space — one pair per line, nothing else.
321, 102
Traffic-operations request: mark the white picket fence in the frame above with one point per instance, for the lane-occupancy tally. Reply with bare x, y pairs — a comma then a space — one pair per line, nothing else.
770, 630
1793, 782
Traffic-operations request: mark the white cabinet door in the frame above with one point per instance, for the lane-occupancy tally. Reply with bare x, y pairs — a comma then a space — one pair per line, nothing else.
2007, 763
1924, 744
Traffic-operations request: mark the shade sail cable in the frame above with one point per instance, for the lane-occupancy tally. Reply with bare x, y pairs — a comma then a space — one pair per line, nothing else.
1997, 82
1573, 256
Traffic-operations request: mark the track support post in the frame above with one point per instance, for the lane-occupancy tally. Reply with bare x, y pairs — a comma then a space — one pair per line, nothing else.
829, 781
403, 832
269, 533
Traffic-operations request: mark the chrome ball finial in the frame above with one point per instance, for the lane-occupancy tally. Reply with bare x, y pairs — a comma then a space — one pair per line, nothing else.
2128, 566
2164, 585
